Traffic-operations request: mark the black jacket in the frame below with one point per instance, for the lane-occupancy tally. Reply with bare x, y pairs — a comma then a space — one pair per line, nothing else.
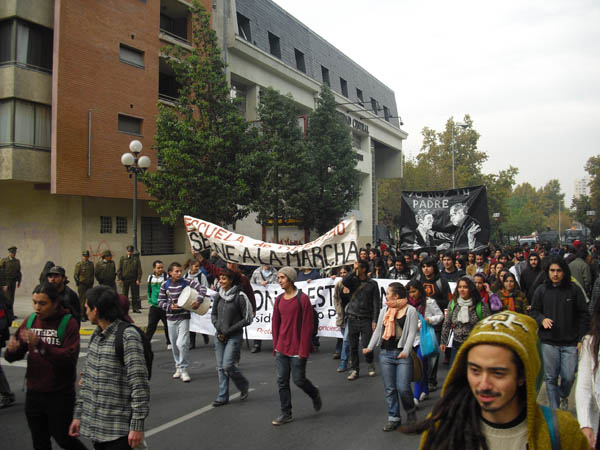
530, 279
567, 308
365, 299
230, 317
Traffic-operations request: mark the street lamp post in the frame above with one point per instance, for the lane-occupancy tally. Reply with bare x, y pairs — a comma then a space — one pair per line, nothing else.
453, 144
134, 165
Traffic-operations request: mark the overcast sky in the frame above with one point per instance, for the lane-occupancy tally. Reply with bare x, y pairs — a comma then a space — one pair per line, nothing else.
528, 72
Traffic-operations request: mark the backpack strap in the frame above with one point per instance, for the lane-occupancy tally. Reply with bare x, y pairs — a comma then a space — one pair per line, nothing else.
451, 308
62, 327
30, 320
552, 423
119, 348
478, 310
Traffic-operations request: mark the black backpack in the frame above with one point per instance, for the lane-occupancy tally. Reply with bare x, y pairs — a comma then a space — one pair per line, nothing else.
314, 311
119, 348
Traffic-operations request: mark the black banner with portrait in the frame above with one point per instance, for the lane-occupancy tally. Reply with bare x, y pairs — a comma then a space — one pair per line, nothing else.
455, 220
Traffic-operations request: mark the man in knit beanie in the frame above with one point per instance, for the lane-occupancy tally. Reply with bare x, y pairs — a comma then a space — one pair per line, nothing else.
292, 327
489, 396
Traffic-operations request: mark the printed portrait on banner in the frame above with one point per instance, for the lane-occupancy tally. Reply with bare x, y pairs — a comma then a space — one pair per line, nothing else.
455, 220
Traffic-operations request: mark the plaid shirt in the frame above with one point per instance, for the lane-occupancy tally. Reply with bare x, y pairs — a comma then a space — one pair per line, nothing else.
114, 398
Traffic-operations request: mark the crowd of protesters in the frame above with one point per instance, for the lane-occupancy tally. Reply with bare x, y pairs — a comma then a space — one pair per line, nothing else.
551, 293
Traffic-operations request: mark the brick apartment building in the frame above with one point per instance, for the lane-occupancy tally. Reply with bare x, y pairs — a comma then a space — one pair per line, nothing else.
79, 80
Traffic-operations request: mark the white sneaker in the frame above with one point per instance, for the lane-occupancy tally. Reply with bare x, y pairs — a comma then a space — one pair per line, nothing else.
185, 376
423, 396
416, 401
169, 347
177, 373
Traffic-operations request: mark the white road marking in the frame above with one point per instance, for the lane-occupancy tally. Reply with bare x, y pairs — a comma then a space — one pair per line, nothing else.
182, 419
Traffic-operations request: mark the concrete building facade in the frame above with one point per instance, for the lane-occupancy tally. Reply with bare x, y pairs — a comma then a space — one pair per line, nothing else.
79, 80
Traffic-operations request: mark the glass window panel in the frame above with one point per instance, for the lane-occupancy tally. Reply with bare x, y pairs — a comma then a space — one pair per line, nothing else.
43, 125
132, 56
6, 122
24, 123
6, 41
22, 42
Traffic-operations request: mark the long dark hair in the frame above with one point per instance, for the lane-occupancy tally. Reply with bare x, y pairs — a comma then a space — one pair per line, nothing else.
454, 422
555, 259
473, 292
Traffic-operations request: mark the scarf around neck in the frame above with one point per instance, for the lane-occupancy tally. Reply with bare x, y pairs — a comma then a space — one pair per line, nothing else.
463, 310
389, 321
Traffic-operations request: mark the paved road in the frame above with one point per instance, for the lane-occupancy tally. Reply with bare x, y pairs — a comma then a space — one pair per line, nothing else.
181, 416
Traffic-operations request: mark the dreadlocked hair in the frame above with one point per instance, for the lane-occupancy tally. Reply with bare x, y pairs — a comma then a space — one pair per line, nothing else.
454, 422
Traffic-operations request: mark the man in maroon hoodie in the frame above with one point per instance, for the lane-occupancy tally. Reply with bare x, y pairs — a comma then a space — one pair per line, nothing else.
51, 369
292, 327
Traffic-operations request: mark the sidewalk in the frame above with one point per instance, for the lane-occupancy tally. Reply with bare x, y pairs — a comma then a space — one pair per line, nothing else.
24, 307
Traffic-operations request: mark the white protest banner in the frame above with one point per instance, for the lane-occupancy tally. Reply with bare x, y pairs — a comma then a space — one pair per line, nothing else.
335, 248
320, 293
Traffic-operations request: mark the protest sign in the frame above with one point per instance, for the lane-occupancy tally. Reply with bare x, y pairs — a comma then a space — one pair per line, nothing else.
335, 248
320, 293
455, 220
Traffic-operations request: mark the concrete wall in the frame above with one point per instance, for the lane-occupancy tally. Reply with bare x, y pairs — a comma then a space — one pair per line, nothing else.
36, 11
44, 227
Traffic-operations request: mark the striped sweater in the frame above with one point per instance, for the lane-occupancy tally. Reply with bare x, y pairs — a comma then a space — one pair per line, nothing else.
166, 299
114, 398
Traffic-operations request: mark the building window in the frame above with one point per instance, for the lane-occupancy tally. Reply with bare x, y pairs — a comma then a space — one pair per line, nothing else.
300, 64
239, 94
344, 86
130, 125
356, 141
244, 27
386, 113
359, 95
121, 225
325, 75
174, 26
26, 44
131, 56
374, 106
25, 124
157, 237
274, 45
105, 224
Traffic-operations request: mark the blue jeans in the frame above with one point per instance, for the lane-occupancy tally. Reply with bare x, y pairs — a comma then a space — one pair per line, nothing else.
397, 374
179, 332
559, 360
297, 367
422, 386
227, 355
344, 349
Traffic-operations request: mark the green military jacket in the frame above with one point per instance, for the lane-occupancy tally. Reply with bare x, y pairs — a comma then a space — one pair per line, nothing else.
10, 269
105, 272
130, 268
84, 272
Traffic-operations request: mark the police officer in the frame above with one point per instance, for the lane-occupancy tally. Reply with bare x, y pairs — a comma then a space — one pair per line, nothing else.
10, 271
105, 270
130, 275
84, 279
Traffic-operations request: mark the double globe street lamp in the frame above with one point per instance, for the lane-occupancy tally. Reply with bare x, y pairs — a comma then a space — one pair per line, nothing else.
134, 165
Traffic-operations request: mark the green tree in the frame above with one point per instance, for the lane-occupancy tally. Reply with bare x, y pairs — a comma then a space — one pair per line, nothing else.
435, 158
334, 187
283, 165
202, 139
499, 189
